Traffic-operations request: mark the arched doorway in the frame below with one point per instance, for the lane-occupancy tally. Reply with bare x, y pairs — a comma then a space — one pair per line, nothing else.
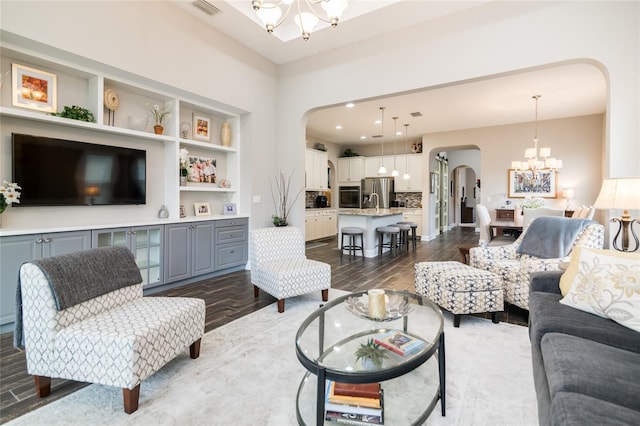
466, 195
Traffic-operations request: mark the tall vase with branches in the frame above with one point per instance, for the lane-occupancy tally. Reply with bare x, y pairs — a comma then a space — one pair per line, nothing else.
280, 193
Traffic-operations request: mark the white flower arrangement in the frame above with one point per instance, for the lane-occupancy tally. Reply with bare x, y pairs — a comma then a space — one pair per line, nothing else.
9, 194
160, 114
184, 162
531, 203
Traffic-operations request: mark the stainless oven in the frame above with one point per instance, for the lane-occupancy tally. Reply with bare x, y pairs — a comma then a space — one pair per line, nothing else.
349, 197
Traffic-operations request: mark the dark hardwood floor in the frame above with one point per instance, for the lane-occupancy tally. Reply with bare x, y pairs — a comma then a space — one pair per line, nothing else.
231, 296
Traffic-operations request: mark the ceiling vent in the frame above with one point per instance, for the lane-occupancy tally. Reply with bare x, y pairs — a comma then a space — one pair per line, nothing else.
416, 114
376, 136
206, 7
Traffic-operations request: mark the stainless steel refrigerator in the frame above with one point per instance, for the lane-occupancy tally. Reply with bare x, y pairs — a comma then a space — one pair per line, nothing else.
383, 186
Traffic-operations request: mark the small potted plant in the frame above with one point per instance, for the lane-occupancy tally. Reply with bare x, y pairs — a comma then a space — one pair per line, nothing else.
371, 354
160, 114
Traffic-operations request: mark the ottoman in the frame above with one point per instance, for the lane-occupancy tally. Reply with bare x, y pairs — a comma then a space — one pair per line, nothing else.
460, 289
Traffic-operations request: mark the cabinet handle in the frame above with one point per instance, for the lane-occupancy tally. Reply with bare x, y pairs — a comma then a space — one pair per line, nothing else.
232, 251
47, 240
39, 241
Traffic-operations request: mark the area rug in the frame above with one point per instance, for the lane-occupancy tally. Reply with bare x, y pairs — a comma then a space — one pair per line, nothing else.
248, 374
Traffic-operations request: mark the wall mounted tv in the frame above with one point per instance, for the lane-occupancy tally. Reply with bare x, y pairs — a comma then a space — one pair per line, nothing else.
58, 172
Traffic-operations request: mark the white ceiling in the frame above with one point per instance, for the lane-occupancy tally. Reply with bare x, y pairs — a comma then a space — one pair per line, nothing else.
569, 90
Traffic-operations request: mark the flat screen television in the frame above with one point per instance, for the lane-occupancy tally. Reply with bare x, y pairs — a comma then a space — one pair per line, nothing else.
59, 172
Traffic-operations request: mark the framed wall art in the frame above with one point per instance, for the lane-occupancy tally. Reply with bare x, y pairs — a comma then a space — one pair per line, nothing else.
201, 127
202, 209
183, 213
540, 184
202, 170
33, 89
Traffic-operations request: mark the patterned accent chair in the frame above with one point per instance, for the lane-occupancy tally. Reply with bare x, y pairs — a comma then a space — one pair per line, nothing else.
117, 339
280, 266
515, 269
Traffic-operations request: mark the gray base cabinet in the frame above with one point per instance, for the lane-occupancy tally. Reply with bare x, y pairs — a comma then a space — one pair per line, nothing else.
145, 242
188, 250
16, 250
231, 243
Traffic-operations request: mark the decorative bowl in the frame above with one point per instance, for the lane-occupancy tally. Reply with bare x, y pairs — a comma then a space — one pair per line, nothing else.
397, 307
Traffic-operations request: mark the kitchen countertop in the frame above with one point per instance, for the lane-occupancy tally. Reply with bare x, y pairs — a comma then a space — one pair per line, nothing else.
372, 212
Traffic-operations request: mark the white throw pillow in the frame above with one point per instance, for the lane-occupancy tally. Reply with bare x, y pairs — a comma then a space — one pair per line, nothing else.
607, 284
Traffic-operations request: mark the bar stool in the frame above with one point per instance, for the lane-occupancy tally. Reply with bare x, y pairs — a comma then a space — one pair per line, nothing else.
351, 232
414, 231
393, 232
404, 235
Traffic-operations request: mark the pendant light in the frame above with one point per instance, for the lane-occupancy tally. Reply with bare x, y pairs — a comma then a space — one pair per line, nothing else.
395, 173
382, 170
406, 157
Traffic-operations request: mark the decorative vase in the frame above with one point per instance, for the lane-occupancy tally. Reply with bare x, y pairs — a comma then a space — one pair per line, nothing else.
225, 134
183, 181
163, 213
368, 364
158, 129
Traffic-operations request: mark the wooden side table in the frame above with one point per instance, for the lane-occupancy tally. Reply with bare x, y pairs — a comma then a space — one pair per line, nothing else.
464, 252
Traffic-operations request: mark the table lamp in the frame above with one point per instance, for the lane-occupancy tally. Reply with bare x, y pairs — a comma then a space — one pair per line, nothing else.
568, 194
621, 194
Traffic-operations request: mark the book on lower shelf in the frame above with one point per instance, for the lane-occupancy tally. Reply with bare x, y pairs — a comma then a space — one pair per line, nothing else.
399, 342
349, 407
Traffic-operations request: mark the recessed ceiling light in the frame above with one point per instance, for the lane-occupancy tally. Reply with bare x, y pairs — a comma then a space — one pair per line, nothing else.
363, 137
338, 127
398, 133
350, 105
377, 122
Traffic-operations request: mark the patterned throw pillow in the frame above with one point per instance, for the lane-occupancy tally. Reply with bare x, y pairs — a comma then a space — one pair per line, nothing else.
605, 283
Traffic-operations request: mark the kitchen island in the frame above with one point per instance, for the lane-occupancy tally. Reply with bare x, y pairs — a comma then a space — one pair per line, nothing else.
369, 220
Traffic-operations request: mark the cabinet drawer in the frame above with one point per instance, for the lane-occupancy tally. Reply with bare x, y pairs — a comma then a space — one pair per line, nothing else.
231, 234
504, 214
229, 255
224, 223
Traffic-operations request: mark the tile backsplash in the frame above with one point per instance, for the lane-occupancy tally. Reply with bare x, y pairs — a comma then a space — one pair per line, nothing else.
411, 199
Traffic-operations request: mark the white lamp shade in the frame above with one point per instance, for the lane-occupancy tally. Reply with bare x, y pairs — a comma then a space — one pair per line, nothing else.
306, 21
334, 8
530, 153
568, 193
516, 165
395, 173
525, 165
619, 193
558, 164
406, 176
269, 14
545, 152
382, 170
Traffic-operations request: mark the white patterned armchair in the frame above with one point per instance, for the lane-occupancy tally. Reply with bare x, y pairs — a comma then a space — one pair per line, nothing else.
118, 338
280, 267
516, 268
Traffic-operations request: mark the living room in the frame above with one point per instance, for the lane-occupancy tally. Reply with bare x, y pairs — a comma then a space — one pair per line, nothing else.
176, 54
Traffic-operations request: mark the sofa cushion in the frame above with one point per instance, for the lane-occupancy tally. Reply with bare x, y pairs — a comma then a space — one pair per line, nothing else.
605, 283
574, 364
570, 408
548, 316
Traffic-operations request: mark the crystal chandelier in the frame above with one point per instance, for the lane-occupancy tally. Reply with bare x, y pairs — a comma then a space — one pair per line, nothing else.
532, 162
271, 13
382, 170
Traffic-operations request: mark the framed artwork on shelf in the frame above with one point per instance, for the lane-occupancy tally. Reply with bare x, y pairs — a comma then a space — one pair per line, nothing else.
201, 127
183, 213
202, 170
202, 209
33, 89
230, 209
526, 183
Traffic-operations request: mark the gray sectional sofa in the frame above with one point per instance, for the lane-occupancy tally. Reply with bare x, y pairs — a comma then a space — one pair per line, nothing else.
586, 368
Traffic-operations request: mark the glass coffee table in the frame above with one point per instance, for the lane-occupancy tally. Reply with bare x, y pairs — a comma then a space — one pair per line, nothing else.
327, 340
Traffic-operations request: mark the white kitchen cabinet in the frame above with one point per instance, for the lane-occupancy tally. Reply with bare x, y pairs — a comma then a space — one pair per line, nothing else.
414, 216
315, 166
412, 163
320, 224
350, 170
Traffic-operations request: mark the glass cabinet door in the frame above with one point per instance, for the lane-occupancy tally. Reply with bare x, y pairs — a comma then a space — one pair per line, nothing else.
146, 245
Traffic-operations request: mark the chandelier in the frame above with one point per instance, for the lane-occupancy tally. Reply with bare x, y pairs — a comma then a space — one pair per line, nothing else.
537, 160
271, 13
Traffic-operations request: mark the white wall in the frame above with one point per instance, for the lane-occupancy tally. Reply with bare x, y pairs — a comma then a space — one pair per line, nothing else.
499, 37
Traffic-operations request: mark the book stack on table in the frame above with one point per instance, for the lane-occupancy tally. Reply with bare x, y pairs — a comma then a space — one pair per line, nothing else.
399, 342
354, 404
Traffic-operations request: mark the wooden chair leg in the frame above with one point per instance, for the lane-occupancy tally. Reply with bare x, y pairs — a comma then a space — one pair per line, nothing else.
456, 320
130, 398
43, 385
325, 294
256, 291
281, 305
194, 349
